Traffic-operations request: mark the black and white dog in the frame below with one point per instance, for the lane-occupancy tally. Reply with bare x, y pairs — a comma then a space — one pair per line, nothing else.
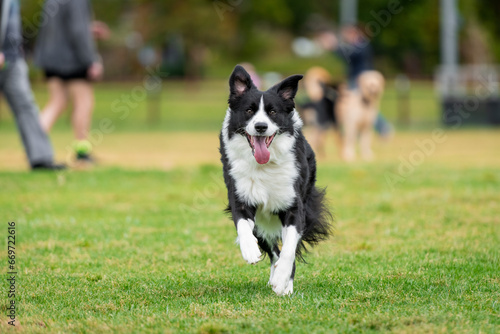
270, 174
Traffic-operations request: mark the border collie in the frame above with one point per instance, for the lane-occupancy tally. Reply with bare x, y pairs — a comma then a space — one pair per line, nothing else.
270, 174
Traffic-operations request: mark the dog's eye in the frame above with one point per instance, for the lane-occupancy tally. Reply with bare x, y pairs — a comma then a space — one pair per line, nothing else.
249, 111
272, 112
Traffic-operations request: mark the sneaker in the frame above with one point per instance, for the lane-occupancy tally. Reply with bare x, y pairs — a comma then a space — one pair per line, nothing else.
82, 147
48, 166
85, 158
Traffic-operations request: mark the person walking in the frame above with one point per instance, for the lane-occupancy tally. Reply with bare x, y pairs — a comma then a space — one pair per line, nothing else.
15, 86
66, 51
354, 49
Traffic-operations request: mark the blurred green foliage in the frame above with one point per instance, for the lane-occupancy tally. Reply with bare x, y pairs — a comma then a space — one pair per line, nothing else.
220, 32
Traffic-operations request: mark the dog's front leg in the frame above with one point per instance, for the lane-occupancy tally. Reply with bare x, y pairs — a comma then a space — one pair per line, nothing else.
282, 278
365, 142
248, 242
243, 216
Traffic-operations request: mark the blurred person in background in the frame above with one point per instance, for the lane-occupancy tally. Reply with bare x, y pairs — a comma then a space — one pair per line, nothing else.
15, 86
355, 49
66, 51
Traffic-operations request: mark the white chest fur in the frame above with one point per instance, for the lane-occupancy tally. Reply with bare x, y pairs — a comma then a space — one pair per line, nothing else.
269, 186
268, 224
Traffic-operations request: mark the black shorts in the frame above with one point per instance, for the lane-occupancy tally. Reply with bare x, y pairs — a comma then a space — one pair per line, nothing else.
75, 75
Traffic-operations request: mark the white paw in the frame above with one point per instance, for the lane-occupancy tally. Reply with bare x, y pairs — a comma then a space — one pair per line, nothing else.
281, 278
250, 249
248, 242
289, 288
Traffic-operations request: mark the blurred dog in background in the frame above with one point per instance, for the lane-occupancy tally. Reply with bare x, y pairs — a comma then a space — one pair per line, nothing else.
319, 112
352, 112
356, 112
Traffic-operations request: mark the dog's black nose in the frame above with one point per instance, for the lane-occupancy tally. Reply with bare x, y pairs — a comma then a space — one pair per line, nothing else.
261, 127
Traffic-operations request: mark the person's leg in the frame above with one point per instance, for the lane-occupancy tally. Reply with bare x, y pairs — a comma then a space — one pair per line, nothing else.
17, 91
56, 104
82, 95
383, 127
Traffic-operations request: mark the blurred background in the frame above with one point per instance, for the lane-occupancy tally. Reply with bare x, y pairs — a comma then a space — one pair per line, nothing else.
164, 92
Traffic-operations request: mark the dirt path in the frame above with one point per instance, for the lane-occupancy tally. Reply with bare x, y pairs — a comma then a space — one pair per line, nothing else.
170, 150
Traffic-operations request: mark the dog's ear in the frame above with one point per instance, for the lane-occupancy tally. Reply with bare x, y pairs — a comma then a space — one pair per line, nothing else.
288, 87
240, 81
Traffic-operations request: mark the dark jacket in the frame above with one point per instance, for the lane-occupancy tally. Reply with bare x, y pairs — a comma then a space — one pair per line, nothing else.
11, 38
359, 58
65, 43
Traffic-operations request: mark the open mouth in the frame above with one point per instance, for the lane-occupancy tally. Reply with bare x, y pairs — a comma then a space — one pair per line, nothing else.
260, 147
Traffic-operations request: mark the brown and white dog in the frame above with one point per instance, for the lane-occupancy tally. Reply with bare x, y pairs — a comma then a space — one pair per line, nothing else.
319, 112
356, 112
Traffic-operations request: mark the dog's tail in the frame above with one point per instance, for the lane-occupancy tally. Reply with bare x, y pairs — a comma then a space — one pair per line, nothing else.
319, 221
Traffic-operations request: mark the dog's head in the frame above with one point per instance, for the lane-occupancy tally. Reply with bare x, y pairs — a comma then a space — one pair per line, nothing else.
261, 116
371, 85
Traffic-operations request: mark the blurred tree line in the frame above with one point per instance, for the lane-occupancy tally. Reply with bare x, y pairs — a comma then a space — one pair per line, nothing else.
214, 34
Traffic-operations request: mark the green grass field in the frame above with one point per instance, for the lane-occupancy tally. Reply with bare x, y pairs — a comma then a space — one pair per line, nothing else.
201, 105
140, 243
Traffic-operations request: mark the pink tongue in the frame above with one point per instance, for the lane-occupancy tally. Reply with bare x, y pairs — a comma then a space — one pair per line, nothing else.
261, 153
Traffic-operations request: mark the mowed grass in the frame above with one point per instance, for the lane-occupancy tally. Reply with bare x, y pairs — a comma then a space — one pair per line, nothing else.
140, 243
112, 250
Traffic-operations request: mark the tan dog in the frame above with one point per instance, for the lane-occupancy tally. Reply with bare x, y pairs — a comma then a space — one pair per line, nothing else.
356, 113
